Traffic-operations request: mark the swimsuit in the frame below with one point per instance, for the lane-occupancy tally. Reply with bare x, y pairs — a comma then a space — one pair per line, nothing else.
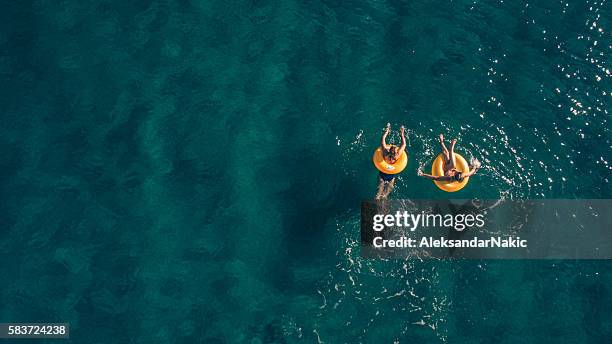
386, 177
458, 177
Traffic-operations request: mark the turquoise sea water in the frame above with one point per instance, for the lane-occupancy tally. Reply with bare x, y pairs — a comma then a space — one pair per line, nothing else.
191, 171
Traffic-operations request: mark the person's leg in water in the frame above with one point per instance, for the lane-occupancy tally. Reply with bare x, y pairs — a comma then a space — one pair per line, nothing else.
385, 185
381, 187
389, 188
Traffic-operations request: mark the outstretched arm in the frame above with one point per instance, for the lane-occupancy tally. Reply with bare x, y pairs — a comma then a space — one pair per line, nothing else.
475, 168
403, 146
432, 177
383, 140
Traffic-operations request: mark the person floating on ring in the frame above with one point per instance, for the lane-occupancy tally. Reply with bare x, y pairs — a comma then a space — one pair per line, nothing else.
450, 174
389, 160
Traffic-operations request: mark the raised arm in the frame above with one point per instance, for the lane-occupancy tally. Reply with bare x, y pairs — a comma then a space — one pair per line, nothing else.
403, 146
472, 171
383, 140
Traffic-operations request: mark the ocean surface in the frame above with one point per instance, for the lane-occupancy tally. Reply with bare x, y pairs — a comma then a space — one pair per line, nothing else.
191, 171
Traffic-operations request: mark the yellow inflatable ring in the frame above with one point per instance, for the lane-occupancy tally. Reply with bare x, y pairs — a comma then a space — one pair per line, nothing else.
437, 169
387, 168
